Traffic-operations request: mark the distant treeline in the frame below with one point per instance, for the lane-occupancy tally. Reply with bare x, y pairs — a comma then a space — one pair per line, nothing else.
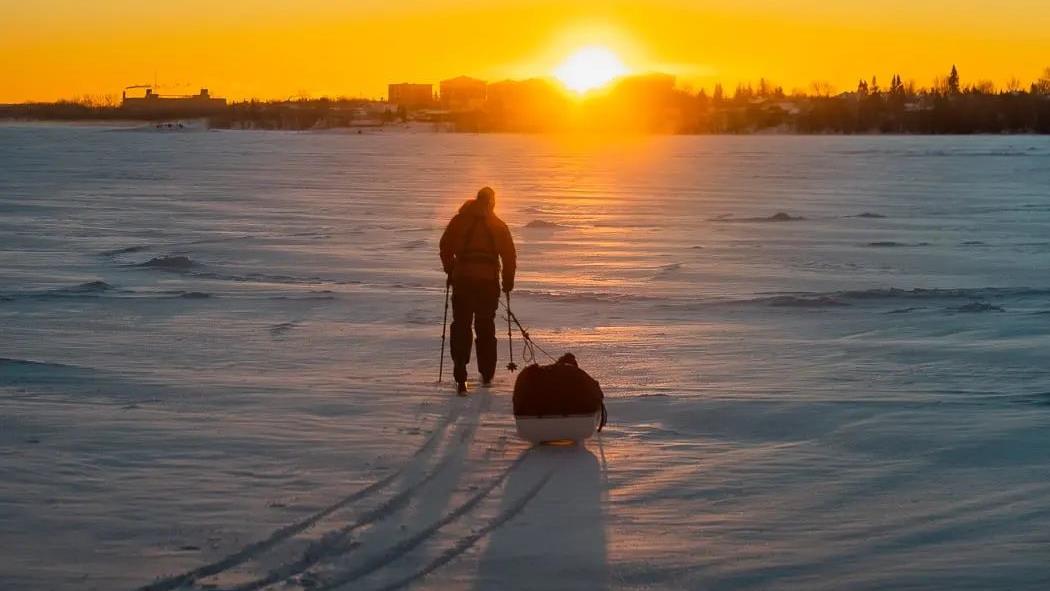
650, 103
85, 109
653, 103
948, 107
303, 114
296, 114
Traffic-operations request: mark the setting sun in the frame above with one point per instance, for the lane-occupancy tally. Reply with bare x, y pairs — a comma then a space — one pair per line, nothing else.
590, 68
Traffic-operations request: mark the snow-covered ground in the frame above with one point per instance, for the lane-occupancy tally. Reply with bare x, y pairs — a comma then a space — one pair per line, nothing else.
218, 354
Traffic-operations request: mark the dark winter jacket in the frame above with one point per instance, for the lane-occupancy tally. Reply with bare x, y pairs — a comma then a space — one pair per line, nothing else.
475, 243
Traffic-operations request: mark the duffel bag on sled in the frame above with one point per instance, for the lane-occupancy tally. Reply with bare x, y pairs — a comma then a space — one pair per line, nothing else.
558, 402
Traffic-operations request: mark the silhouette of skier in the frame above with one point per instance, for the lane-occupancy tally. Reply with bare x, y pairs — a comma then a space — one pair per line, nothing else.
475, 247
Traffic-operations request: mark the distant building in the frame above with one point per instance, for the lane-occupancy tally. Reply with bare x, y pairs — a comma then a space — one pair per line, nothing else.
411, 96
510, 93
525, 105
463, 93
646, 85
153, 103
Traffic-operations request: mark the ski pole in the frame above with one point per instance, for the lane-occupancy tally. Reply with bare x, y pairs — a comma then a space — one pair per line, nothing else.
444, 325
510, 344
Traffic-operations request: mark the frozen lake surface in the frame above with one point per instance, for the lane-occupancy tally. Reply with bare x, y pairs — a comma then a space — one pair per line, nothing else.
825, 357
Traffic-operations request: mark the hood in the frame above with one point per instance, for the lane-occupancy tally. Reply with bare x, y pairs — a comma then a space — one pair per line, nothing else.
471, 207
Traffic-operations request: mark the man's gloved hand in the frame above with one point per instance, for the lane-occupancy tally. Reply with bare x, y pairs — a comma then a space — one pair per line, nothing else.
508, 286
448, 279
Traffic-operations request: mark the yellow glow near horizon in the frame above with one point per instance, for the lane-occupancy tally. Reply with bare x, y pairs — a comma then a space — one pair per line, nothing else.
275, 49
590, 68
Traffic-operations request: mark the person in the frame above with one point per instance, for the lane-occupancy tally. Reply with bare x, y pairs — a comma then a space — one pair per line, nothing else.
475, 246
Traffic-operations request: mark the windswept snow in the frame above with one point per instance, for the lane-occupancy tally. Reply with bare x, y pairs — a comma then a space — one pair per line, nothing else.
218, 354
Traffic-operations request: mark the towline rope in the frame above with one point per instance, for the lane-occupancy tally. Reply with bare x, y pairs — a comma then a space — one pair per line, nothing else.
528, 349
528, 353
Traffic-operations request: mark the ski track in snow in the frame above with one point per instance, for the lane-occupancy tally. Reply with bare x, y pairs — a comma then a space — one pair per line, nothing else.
338, 541
255, 549
467, 542
407, 545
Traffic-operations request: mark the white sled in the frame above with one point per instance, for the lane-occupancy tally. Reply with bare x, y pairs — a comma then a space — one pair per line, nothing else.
557, 428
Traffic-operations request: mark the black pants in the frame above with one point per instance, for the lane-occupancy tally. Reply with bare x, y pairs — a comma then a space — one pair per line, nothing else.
474, 302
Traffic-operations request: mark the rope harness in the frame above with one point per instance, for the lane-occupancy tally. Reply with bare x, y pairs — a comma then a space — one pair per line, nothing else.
529, 346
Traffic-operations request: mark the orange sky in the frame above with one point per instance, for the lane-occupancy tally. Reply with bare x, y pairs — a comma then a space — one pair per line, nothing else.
52, 49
